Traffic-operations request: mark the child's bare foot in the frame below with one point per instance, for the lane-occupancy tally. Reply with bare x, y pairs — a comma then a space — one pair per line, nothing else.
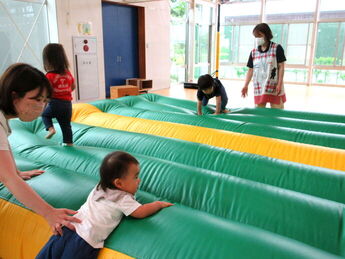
51, 132
226, 111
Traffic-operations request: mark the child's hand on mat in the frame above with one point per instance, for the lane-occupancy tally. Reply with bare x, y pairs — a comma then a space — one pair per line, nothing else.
164, 204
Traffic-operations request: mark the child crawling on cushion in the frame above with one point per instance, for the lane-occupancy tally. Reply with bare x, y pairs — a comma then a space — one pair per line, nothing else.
103, 210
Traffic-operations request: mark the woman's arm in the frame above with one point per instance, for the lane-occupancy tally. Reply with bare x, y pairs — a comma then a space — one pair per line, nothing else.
248, 78
26, 195
281, 68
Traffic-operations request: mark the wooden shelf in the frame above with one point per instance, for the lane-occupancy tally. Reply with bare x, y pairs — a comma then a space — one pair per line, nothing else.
123, 90
142, 84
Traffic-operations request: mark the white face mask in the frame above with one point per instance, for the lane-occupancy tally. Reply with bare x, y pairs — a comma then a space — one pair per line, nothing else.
29, 107
259, 41
29, 111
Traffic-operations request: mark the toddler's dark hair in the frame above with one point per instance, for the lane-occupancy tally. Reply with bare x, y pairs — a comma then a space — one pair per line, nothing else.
205, 82
55, 59
265, 29
114, 165
21, 78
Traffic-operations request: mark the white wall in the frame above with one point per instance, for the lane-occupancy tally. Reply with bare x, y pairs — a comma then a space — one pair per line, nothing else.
157, 21
157, 33
69, 14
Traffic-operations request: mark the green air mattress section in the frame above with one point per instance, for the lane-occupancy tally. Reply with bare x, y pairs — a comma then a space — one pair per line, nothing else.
320, 182
190, 105
140, 107
220, 197
177, 232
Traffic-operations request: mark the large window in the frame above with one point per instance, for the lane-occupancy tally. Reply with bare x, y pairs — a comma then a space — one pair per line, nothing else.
311, 32
313, 37
23, 32
297, 43
192, 39
237, 22
236, 44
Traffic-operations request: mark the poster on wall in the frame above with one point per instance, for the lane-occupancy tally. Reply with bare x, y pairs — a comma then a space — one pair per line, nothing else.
85, 67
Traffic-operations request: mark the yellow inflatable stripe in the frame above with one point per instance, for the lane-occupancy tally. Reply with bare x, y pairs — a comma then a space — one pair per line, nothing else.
112, 254
23, 233
281, 149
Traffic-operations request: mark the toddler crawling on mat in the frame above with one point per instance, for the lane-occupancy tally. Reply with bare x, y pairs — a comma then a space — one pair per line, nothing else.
209, 87
112, 198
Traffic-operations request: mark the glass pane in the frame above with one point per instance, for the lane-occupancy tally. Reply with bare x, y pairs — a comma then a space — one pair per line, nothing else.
10, 38
203, 14
229, 43
240, 13
296, 55
178, 40
202, 39
332, 9
277, 32
203, 34
290, 10
246, 41
322, 76
236, 43
178, 73
17, 19
197, 44
178, 9
295, 75
226, 54
201, 70
39, 38
343, 56
178, 43
233, 72
298, 43
298, 34
326, 43
339, 56
280, 33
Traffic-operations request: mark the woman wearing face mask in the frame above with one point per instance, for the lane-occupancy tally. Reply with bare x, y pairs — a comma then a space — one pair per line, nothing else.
23, 94
266, 66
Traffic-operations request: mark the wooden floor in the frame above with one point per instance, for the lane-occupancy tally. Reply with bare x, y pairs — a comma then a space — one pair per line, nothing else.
299, 97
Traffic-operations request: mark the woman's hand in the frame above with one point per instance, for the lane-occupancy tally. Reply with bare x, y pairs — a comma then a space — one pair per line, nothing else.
244, 91
26, 175
57, 218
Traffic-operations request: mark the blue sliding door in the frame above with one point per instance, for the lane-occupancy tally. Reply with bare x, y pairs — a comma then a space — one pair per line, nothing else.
120, 41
